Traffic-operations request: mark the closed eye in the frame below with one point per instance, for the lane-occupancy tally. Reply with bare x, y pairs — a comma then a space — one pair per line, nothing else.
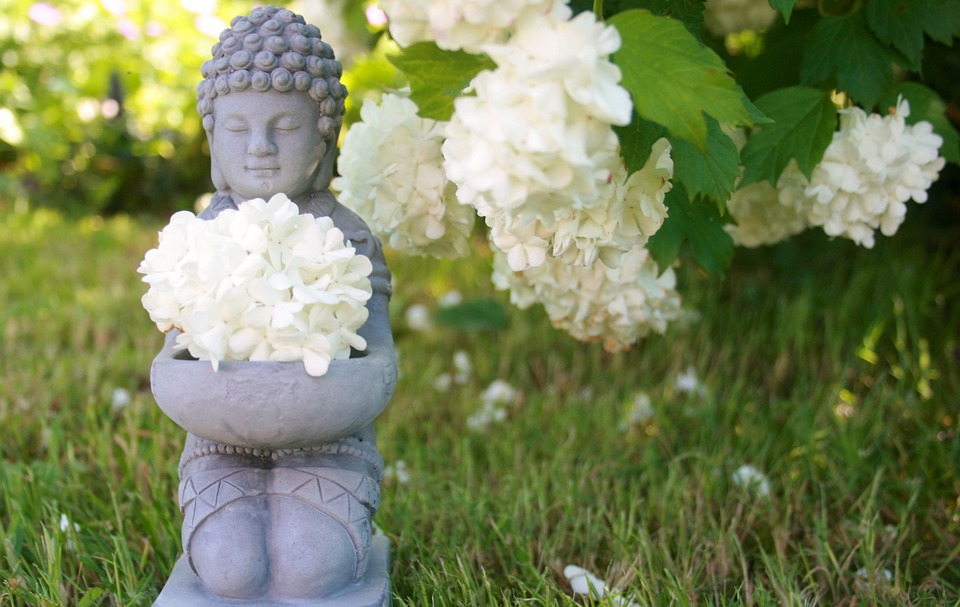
287, 124
235, 126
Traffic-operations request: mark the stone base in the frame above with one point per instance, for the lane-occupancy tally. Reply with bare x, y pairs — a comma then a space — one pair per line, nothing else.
184, 589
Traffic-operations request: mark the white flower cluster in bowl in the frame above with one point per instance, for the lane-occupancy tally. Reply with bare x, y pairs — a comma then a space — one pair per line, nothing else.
873, 166
259, 283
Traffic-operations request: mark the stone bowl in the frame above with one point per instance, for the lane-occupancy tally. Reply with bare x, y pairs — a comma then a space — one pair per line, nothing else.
272, 405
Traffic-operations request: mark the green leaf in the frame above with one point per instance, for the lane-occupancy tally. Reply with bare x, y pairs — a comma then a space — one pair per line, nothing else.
925, 104
785, 7
673, 79
473, 315
636, 140
841, 51
711, 173
804, 122
438, 77
697, 223
901, 24
942, 20
689, 12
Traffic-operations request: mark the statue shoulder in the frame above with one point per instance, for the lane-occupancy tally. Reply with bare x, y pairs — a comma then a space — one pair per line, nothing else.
218, 202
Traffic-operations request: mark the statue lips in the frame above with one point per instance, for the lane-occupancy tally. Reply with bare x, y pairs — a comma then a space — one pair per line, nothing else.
257, 171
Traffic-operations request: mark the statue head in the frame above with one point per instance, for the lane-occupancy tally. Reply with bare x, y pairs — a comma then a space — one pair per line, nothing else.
272, 105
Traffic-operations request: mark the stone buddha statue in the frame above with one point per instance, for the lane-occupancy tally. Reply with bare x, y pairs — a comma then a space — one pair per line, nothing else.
280, 473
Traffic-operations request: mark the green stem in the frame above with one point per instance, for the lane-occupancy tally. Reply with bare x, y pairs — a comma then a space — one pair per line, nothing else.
598, 9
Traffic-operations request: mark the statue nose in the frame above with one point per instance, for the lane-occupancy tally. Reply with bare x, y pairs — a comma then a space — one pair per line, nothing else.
261, 146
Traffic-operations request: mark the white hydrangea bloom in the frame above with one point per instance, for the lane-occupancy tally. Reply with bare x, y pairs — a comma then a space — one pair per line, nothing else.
573, 52
616, 306
391, 174
522, 143
724, 17
457, 24
534, 152
262, 282
766, 215
873, 166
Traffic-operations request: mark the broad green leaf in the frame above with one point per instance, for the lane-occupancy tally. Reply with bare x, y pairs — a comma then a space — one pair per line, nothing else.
473, 315
711, 173
636, 140
785, 7
942, 20
925, 104
901, 24
804, 122
438, 77
690, 12
841, 51
674, 80
697, 223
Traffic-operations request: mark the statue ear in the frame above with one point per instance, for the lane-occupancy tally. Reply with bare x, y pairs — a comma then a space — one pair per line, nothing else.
216, 175
325, 171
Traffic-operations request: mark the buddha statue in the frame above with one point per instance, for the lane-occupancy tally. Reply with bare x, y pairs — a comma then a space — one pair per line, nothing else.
279, 477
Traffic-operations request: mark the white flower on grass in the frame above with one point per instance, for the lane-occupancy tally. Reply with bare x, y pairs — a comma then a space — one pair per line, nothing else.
640, 411
66, 524
497, 393
417, 317
391, 174
486, 415
585, 583
688, 383
616, 306
873, 166
883, 575
457, 24
443, 382
724, 17
450, 298
262, 282
463, 367
119, 398
749, 478
397, 472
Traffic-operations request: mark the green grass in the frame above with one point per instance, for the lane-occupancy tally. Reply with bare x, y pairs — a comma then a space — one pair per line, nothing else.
831, 369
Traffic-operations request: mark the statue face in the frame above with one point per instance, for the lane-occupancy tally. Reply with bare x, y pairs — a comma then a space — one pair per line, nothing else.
267, 143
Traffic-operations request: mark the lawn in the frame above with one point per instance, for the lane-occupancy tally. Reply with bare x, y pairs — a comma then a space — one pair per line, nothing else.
829, 370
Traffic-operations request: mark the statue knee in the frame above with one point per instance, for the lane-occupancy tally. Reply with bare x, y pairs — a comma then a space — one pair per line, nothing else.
312, 554
228, 551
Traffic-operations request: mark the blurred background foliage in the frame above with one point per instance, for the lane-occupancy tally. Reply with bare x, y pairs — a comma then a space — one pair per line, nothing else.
97, 97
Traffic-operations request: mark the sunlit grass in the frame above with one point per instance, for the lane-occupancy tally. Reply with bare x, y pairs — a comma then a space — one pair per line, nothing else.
830, 370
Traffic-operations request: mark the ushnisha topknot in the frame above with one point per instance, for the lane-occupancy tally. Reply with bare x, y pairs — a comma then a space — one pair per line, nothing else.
274, 48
